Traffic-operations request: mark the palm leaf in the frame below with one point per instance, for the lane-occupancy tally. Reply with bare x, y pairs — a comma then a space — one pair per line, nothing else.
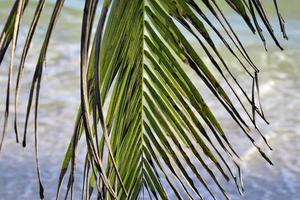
158, 129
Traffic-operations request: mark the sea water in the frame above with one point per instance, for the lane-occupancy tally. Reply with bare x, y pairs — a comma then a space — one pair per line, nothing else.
280, 94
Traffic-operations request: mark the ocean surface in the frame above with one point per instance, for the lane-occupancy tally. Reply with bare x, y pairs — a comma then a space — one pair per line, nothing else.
280, 94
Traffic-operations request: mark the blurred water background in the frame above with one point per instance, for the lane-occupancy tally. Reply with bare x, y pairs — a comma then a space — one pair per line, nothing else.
280, 93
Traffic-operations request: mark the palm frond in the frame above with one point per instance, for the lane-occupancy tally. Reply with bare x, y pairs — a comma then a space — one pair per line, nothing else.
158, 127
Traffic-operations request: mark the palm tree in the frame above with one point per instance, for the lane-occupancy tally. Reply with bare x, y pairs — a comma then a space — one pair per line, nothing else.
158, 128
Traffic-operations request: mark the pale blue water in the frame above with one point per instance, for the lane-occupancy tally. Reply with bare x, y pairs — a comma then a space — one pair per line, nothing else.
280, 91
